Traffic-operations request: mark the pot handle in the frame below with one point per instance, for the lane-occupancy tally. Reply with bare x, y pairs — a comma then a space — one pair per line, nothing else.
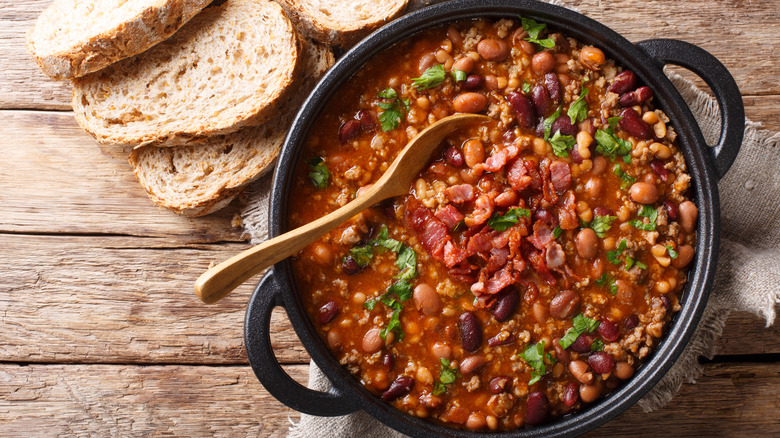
276, 381
715, 74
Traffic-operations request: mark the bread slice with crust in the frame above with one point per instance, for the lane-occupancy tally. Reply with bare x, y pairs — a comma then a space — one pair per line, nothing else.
227, 68
341, 22
200, 179
72, 38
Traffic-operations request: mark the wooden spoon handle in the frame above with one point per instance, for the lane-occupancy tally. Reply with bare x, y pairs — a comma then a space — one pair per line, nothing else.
220, 280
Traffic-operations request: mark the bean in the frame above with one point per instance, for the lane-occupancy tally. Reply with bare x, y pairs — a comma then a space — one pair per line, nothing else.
349, 130
667, 304
590, 393
453, 156
635, 97
634, 125
658, 168
464, 64
491, 82
540, 312
473, 83
388, 361
587, 243
476, 421
623, 82
501, 339
351, 265
471, 364
592, 58
367, 120
671, 210
623, 370
323, 256
493, 50
426, 61
560, 352
594, 187
454, 35
469, 103
562, 63
601, 362
327, 312
553, 87
334, 339
630, 322
570, 394
541, 100
599, 165
473, 152
563, 124
643, 193
470, 331
536, 408
400, 387
546, 216
609, 330
688, 215
524, 111
579, 369
565, 304
582, 343
426, 299
372, 341
527, 47
625, 292
543, 62
684, 256
505, 305
499, 384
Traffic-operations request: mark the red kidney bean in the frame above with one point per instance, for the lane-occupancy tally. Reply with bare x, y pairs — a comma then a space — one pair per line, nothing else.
469, 103
524, 111
635, 97
588, 126
601, 363
571, 394
327, 312
643, 94
499, 384
541, 100
634, 125
349, 130
536, 408
560, 352
470, 331
659, 169
505, 305
667, 303
453, 156
351, 265
671, 210
367, 120
399, 388
553, 87
575, 156
609, 330
493, 50
388, 361
623, 82
539, 130
498, 340
630, 322
563, 124
582, 344
545, 216
565, 304
473, 83
603, 211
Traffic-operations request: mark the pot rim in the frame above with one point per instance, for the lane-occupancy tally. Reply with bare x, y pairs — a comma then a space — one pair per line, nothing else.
690, 140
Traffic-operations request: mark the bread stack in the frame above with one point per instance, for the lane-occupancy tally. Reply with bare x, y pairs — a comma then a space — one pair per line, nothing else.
203, 93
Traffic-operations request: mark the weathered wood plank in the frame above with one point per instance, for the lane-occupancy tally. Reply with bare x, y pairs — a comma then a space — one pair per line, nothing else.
121, 400
56, 179
120, 300
740, 33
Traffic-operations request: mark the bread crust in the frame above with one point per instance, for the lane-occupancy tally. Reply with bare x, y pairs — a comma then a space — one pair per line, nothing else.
129, 38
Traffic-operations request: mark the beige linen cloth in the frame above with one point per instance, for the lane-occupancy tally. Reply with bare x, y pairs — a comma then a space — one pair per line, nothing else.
747, 277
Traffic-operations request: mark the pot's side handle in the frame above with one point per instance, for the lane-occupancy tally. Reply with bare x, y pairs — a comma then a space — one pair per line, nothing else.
715, 74
276, 381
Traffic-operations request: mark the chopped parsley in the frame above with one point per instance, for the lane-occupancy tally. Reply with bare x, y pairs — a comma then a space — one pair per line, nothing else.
557, 232
672, 253
402, 289
534, 29
390, 118
562, 144
406, 261
319, 174
447, 375
461, 223
395, 322
612, 256
607, 280
580, 325
627, 179
578, 110
548, 123
597, 345
432, 77
362, 254
602, 224
630, 262
534, 354
651, 214
500, 222
526, 87
459, 75
612, 146
613, 121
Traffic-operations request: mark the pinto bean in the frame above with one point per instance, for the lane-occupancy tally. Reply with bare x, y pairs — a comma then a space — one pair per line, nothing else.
592, 58
684, 256
623, 82
579, 369
536, 408
506, 198
426, 61
543, 62
372, 341
541, 312
323, 256
587, 243
471, 364
399, 388
441, 350
599, 165
493, 50
469, 103
476, 421
623, 370
590, 393
334, 339
505, 305
560, 352
643, 193
426, 299
470, 331
464, 64
524, 111
473, 152
565, 304
688, 215
328, 312
595, 187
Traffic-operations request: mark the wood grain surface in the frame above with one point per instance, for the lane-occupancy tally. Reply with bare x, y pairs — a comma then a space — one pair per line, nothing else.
102, 335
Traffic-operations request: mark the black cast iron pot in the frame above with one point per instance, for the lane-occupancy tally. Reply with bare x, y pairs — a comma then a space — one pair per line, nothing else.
705, 165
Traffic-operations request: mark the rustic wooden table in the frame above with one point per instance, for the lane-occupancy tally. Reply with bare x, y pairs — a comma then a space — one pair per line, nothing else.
101, 334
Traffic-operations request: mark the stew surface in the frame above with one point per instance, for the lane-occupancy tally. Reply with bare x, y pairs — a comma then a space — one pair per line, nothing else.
537, 259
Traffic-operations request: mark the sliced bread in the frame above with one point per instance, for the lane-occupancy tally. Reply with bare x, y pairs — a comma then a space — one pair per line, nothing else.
200, 179
227, 68
341, 22
72, 38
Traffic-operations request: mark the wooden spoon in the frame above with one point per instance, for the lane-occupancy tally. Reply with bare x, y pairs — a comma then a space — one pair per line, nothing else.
218, 281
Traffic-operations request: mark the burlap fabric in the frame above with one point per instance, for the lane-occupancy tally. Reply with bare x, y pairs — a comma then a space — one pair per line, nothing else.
747, 277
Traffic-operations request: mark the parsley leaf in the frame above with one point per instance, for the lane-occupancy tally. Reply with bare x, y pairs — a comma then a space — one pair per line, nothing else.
390, 118
672, 253
432, 77
362, 254
319, 174
578, 110
602, 224
547, 43
532, 27
580, 325
607, 280
562, 144
402, 289
651, 214
597, 345
388, 93
526, 87
549, 121
406, 261
641, 265
502, 223
371, 303
459, 75
534, 355
557, 232
395, 322
627, 179
613, 121
612, 256
612, 146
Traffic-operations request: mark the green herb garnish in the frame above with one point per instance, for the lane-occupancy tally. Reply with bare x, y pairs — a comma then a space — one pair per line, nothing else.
390, 118
548, 123
526, 87
534, 355
602, 224
580, 325
607, 280
627, 179
578, 110
447, 375
557, 232
459, 75
651, 214
534, 29
612, 256
672, 253
562, 144
432, 77
500, 222
597, 345
612, 146
362, 254
319, 174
